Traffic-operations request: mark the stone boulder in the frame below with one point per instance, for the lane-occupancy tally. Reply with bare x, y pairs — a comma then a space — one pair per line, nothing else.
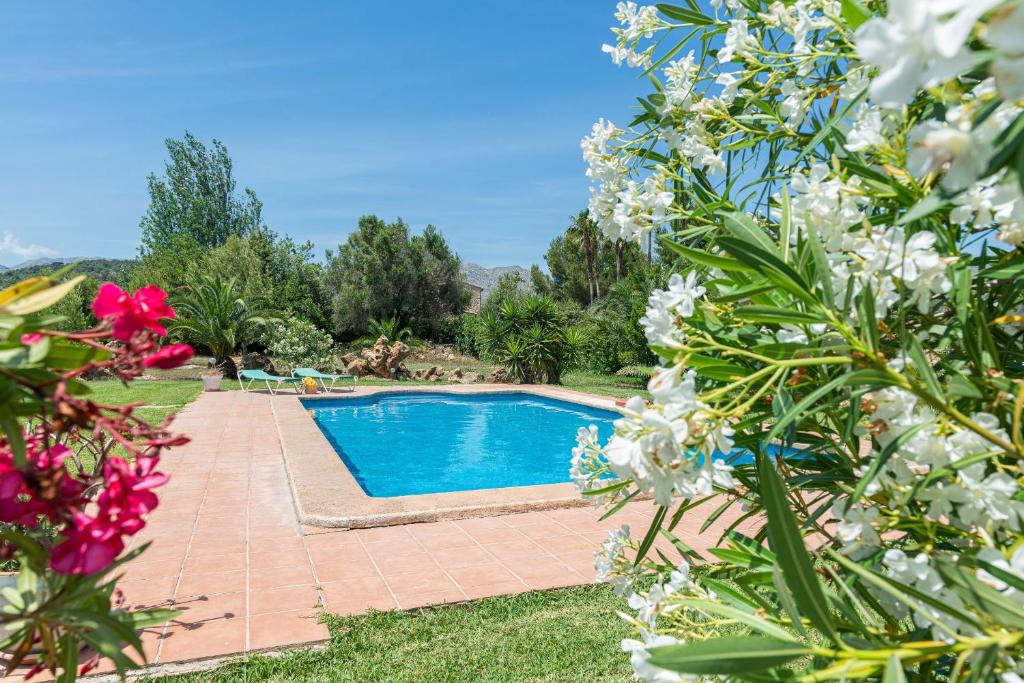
431, 374
499, 376
381, 360
472, 379
456, 375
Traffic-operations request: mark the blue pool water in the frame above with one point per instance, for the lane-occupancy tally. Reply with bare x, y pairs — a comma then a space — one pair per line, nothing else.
414, 443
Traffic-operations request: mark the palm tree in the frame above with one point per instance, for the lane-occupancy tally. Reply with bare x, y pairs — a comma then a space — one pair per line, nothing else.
212, 314
584, 231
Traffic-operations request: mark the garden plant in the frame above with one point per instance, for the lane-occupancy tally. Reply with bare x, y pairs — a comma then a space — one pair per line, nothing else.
844, 181
77, 477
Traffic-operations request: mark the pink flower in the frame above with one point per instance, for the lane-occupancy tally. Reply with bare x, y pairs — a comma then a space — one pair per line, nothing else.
128, 493
43, 488
169, 357
131, 314
30, 338
90, 545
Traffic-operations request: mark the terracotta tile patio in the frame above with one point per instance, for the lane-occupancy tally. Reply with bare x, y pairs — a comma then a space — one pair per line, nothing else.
229, 553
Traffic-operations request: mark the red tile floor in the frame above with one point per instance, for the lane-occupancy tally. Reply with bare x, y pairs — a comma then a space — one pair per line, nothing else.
229, 553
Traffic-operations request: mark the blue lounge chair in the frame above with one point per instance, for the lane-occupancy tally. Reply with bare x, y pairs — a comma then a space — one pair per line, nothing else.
260, 376
323, 377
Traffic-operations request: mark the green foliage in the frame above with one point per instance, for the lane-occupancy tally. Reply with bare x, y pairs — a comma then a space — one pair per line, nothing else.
510, 287
272, 269
196, 198
297, 343
193, 208
614, 336
381, 272
527, 335
390, 328
213, 315
584, 266
466, 335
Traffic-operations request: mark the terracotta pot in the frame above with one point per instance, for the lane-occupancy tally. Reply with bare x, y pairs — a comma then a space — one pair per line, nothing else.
211, 382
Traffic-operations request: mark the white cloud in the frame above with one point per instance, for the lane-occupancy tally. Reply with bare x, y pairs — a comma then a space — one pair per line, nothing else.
9, 244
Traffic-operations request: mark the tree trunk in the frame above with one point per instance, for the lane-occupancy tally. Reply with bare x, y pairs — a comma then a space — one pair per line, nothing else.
588, 250
618, 259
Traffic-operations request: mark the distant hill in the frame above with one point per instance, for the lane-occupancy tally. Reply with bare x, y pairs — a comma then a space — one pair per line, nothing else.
100, 269
487, 278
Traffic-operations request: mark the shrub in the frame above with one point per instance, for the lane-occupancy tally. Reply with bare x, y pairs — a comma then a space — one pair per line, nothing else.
841, 357
78, 477
527, 335
300, 344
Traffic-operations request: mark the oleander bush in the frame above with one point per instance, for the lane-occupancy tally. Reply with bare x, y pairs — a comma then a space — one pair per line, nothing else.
77, 475
297, 343
840, 356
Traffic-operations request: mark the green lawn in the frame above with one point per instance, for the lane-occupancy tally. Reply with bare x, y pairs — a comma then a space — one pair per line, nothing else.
605, 385
558, 636
161, 396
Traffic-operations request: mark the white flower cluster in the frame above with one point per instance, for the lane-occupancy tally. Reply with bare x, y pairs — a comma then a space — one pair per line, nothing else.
622, 208
967, 498
666, 307
610, 564
636, 24
922, 43
669, 447
649, 606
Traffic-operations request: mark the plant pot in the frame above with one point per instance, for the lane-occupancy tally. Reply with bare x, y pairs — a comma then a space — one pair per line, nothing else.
211, 382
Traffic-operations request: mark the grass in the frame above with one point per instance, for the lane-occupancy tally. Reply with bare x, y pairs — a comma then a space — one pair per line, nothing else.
605, 385
558, 636
161, 397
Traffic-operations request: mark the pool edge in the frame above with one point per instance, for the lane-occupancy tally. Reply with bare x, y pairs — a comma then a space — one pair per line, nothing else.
325, 494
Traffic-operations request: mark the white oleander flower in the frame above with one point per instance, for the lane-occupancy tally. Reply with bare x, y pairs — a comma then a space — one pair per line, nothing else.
738, 41
612, 566
941, 147
1004, 33
1015, 566
639, 657
919, 43
730, 83
856, 528
868, 130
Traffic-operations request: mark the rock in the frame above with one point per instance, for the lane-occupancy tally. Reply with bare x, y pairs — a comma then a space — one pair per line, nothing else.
381, 360
470, 379
254, 360
456, 374
358, 367
431, 374
499, 376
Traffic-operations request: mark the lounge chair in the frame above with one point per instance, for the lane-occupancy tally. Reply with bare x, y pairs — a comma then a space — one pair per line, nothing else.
323, 377
260, 376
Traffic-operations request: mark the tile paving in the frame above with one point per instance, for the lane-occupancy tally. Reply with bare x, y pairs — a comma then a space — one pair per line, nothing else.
227, 549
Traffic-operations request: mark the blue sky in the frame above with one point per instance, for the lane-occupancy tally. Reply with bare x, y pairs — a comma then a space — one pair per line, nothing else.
465, 115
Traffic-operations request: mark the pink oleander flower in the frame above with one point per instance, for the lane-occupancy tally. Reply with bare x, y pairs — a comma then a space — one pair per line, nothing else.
90, 545
44, 488
132, 313
30, 338
127, 494
169, 357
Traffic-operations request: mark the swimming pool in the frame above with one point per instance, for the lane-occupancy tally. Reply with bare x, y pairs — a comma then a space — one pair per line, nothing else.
415, 443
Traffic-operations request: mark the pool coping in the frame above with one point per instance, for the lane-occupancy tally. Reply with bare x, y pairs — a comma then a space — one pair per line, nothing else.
325, 493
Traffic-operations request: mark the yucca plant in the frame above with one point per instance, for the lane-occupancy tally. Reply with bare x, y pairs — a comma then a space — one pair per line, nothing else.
213, 315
